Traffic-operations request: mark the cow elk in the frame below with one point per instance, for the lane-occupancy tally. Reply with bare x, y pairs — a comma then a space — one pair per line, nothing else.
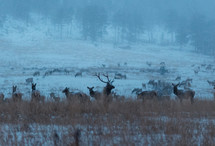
29, 80
136, 91
95, 94
78, 74
71, 96
35, 95
212, 83
147, 95
181, 94
16, 96
1, 97
119, 76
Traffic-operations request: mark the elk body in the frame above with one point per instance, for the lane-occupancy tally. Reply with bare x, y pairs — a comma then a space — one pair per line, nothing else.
181, 94
211, 82
16, 96
147, 95
107, 89
71, 96
78, 74
119, 76
94, 94
35, 95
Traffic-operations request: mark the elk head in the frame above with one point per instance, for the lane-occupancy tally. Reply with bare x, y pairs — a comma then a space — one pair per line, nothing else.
91, 90
109, 86
33, 86
175, 88
14, 89
66, 91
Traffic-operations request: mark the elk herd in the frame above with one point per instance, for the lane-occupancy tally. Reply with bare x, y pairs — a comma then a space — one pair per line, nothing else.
107, 94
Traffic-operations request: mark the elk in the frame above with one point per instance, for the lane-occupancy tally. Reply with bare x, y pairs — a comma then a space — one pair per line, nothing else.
78, 74
35, 95
71, 95
77, 136
1, 97
107, 89
29, 80
94, 94
67, 93
153, 83
211, 82
147, 95
181, 94
136, 90
16, 96
119, 76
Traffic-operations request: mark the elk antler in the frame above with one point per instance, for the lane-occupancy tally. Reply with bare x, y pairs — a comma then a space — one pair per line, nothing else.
109, 81
98, 75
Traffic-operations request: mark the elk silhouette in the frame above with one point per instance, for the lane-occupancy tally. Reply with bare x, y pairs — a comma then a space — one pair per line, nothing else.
1, 97
147, 95
95, 94
181, 94
35, 95
107, 89
71, 95
16, 96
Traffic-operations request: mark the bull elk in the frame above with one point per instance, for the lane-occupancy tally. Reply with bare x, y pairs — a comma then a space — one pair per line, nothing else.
181, 94
109, 84
16, 96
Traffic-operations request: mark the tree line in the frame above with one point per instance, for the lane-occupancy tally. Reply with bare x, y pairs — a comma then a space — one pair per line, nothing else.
129, 19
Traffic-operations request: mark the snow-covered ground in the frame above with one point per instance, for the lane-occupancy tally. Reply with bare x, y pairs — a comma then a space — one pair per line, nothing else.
19, 61
105, 134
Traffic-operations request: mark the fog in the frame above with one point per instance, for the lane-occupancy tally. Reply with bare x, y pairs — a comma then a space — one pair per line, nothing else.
184, 22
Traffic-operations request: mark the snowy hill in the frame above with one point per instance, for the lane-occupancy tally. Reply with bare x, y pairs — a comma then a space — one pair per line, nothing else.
20, 61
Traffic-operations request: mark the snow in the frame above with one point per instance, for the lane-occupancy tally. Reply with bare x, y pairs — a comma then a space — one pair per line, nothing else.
42, 134
20, 62
37, 49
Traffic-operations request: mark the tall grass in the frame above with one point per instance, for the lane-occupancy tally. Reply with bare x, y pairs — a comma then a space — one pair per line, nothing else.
122, 122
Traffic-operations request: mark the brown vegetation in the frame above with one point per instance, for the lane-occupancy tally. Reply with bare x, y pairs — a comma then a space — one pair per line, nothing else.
178, 123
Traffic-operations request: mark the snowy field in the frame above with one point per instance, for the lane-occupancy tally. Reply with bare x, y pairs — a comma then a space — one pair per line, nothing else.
140, 45
122, 123
53, 65
129, 133
19, 61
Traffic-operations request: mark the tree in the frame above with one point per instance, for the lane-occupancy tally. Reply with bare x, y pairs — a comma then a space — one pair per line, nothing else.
203, 34
171, 22
182, 32
93, 21
128, 24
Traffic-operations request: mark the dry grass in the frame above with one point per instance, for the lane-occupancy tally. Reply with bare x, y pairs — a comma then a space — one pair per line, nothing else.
120, 122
